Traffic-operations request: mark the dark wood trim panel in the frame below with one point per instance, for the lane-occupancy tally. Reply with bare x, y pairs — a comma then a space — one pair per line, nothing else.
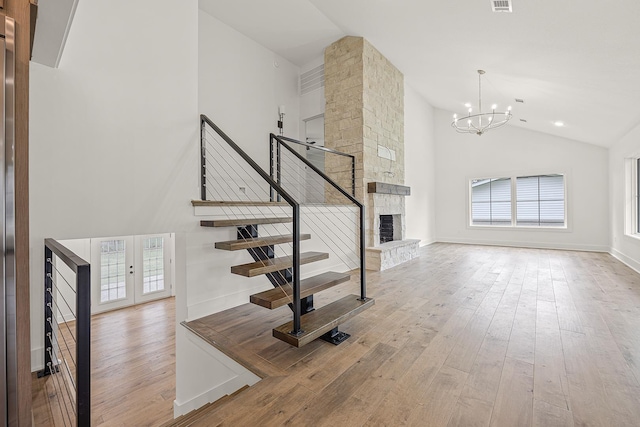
20, 10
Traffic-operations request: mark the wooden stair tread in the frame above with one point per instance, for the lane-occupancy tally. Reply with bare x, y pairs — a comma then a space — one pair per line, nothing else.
277, 297
236, 203
235, 245
322, 320
274, 264
244, 221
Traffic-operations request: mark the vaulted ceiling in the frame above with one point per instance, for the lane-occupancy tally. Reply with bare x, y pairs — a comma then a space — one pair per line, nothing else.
575, 61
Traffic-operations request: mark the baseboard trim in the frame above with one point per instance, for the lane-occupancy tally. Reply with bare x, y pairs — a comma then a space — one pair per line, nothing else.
212, 394
424, 243
626, 260
37, 359
529, 245
242, 377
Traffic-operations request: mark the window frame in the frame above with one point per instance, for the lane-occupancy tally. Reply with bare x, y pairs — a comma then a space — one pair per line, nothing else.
632, 197
514, 211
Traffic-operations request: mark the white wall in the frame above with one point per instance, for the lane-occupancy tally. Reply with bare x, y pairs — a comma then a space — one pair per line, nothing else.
420, 166
512, 150
623, 246
114, 130
239, 89
240, 86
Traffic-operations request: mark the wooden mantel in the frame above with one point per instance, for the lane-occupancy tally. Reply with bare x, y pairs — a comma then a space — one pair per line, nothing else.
384, 188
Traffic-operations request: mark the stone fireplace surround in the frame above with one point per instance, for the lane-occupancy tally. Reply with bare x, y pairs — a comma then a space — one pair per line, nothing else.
364, 117
388, 199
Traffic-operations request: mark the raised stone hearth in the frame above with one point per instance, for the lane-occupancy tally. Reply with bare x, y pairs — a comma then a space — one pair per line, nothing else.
390, 254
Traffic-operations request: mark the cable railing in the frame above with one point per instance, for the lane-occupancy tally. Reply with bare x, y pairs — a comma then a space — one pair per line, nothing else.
67, 334
341, 167
231, 175
330, 212
233, 182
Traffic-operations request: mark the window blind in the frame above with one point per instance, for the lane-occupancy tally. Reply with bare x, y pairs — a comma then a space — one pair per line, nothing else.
540, 201
491, 201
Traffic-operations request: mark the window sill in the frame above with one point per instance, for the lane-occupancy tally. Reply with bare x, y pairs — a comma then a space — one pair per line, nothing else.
564, 229
633, 236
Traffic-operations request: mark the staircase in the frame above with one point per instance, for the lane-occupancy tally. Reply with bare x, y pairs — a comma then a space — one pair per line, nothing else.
268, 228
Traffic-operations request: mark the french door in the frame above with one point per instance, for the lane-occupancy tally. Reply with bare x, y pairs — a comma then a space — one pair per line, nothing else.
129, 270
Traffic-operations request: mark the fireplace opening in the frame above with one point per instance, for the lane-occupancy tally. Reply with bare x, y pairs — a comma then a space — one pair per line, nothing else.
386, 228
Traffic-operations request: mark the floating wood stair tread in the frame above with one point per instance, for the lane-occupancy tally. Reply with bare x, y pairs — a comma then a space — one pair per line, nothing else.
236, 245
277, 297
274, 264
236, 203
322, 320
243, 221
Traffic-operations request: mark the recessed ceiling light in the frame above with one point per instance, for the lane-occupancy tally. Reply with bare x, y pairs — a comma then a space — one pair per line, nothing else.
520, 100
559, 124
468, 104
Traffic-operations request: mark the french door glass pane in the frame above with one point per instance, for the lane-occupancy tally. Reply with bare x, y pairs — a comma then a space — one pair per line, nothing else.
112, 271
153, 265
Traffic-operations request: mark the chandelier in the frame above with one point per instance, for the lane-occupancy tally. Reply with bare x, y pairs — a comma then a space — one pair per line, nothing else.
480, 122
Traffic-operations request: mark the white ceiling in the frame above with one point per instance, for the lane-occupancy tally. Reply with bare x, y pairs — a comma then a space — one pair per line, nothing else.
576, 61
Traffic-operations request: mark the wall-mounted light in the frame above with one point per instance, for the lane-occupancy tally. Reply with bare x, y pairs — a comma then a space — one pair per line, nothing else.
281, 110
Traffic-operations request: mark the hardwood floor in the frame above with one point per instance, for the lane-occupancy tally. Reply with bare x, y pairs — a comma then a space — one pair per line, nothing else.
133, 370
461, 336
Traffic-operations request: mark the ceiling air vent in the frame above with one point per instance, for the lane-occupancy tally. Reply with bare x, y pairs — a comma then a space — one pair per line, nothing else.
501, 5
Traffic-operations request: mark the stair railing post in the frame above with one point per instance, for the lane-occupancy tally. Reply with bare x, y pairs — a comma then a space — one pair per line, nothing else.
363, 268
271, 191
203, 159
278, 166
83, 347
297, 330
48, 313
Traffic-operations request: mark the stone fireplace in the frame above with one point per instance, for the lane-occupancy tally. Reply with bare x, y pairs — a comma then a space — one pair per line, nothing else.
364, 116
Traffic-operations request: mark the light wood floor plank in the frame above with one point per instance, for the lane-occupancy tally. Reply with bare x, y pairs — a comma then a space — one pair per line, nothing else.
514, 402
462, 336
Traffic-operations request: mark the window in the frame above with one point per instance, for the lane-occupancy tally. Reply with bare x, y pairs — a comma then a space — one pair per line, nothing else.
540, 201
491, 201
637, 222
521, 201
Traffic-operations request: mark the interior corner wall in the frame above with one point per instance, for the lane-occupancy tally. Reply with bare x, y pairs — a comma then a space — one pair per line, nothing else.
240, 86
420, 166
624, 247
114, 130
515, 151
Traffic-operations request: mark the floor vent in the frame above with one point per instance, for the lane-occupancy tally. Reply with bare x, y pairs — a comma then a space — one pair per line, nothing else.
312, 80
501, 5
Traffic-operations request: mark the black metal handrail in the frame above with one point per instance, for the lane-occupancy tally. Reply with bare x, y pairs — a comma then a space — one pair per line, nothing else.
280, 141
282, 138
295, 206
82, 270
